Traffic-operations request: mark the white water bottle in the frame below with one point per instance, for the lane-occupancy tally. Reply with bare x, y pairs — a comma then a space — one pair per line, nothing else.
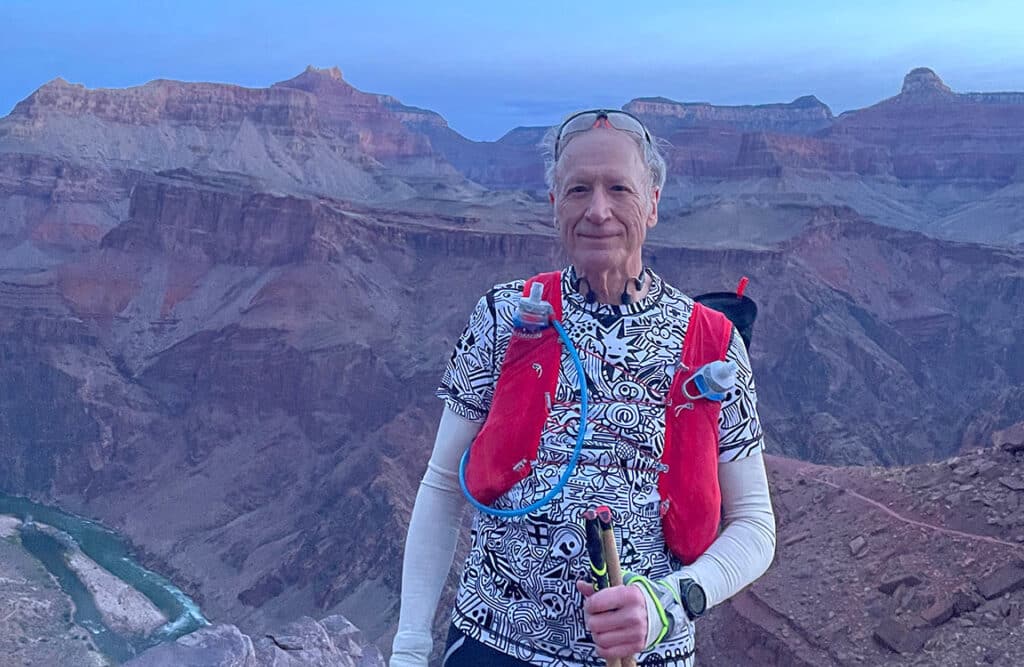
712, 380
534, 313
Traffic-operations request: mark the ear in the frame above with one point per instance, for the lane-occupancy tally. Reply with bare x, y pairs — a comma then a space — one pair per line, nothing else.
551, 197
652, 219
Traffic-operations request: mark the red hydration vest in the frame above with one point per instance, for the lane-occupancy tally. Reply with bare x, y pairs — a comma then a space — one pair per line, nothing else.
503, 451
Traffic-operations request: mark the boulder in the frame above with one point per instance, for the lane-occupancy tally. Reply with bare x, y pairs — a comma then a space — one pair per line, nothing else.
889, 586
898, 638
1006, 579
332, 642
218, 645
940, 612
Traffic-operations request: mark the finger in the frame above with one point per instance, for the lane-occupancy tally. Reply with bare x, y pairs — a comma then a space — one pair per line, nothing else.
625, 649
613, 598
585, 588
631, 616
614, 621
630, 639
619, 644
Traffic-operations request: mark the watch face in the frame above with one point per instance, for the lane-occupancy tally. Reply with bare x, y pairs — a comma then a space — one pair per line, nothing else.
697, 600
693, 597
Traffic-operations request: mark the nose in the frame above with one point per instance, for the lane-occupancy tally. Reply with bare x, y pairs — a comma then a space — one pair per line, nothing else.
599, 208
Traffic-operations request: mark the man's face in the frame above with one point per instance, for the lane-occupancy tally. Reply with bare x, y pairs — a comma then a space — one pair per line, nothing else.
604, 202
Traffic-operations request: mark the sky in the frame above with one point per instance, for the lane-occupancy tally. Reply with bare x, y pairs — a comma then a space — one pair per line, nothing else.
490, 69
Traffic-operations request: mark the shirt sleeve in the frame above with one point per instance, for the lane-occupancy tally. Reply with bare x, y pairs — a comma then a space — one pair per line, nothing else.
430, 543
740, 554
739, 427
467, 385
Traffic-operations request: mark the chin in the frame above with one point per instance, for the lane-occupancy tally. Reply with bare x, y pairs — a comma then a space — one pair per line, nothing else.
597, 261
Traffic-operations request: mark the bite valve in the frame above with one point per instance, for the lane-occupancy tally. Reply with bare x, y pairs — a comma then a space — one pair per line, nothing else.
534, 313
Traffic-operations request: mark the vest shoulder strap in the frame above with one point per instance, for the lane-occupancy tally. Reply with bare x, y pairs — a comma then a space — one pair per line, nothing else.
707, 338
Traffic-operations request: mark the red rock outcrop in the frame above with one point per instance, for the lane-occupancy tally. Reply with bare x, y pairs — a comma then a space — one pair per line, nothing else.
202, 105
366, 119
312, 133
804, 115
936, 135
768, 155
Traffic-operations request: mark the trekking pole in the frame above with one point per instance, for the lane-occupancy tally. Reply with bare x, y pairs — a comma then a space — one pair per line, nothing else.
611, 557
598, 563
598, 567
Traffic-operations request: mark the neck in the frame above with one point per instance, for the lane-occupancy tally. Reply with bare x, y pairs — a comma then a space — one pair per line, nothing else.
609, 286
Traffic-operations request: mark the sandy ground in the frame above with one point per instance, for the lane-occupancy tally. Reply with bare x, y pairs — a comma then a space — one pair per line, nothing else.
9, 525
124, 609
34, 613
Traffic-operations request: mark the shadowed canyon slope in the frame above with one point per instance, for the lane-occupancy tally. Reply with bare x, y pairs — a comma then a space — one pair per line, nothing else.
223, 310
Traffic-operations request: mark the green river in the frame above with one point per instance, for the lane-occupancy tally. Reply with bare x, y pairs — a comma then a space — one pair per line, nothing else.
113, 554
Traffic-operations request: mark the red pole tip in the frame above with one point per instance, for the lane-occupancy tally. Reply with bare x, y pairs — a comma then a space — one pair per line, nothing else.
742, 286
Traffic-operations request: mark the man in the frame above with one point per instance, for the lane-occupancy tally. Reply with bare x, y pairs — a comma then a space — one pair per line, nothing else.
523, 599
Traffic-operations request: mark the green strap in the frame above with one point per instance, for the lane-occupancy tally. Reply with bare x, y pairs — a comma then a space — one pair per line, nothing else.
648, 587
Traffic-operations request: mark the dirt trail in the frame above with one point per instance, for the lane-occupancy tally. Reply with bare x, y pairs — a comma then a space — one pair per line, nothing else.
814, 473
913, 522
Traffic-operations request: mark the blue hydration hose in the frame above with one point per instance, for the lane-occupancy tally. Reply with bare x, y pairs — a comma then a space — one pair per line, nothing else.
570, 468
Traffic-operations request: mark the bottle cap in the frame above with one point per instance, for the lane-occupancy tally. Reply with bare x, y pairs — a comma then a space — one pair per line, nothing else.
721, 375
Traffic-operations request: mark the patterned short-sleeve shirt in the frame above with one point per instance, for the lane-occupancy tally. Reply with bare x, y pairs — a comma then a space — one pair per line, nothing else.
517, 592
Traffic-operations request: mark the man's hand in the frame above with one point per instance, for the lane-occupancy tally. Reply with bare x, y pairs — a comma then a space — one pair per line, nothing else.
617, 619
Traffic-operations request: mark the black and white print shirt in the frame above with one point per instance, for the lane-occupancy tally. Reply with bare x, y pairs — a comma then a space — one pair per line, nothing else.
517, 592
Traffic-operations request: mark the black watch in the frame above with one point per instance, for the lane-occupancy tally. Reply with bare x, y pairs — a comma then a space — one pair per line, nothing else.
695, 602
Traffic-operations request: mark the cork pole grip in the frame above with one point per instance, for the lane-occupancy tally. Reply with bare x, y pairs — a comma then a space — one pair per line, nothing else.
611, 559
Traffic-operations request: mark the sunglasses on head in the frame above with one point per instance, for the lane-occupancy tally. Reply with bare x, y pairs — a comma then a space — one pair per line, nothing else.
588, 120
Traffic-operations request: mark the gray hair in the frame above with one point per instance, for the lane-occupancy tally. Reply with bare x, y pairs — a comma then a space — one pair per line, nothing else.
653, 158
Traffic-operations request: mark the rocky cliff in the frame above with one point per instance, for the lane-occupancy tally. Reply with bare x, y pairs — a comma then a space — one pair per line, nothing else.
223, 311
804, 115
918, 565
928, 159
244, 380
311, 133
331, 642
935, 135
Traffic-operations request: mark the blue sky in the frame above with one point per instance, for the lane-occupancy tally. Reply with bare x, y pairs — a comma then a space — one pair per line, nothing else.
488, 69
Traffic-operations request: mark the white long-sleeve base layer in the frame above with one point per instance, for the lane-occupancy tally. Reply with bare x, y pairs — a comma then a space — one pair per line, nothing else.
741, 553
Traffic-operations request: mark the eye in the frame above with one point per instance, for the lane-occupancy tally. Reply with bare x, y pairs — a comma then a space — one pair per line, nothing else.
576, 189
619, 187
